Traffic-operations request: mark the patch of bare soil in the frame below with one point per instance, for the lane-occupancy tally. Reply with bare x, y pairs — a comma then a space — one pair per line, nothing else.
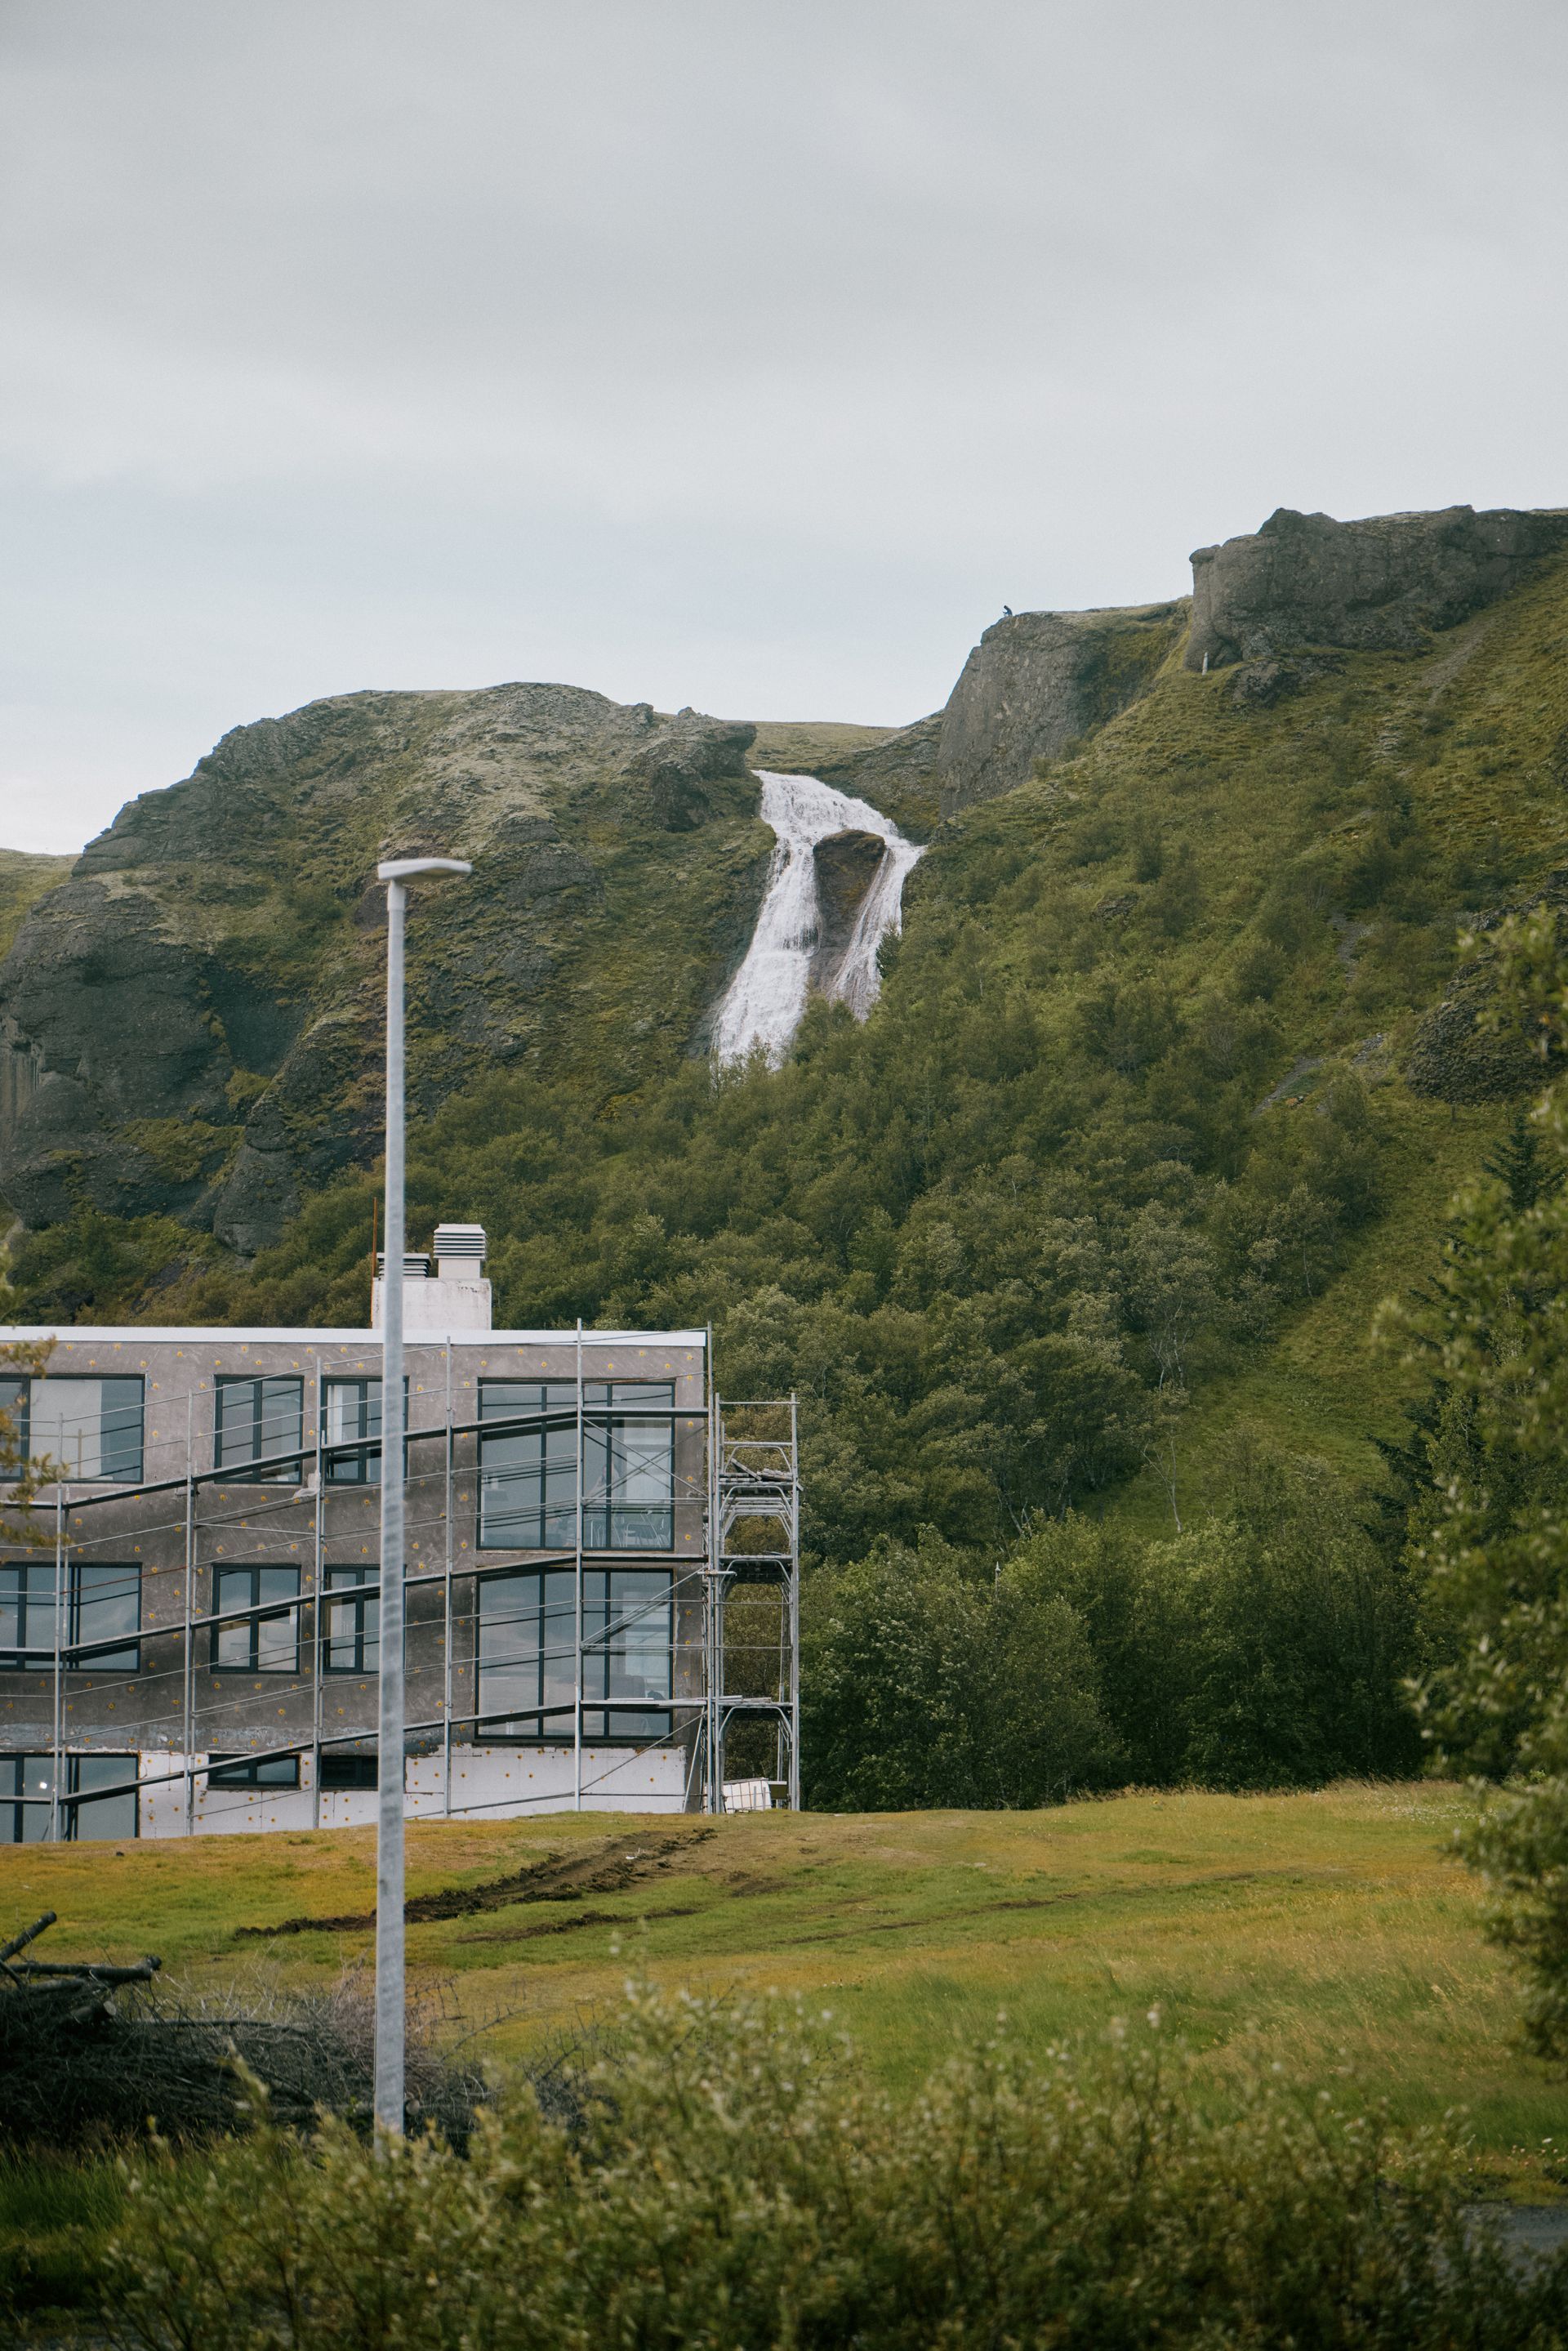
609, 1867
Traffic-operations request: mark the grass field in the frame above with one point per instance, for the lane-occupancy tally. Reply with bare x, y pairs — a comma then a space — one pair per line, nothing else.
1332, 1927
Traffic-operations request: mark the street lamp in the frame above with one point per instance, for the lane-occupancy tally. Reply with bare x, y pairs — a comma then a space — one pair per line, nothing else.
390, 1735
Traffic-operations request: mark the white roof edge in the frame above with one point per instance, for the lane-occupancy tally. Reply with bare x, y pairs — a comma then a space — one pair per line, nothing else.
221, 1334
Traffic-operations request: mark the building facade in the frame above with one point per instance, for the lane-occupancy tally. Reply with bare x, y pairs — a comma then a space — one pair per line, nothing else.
601, 1576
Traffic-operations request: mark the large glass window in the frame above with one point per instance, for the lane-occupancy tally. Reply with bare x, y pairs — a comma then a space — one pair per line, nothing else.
352, 1429
528, 1652
257, 1634
629, 1486
103, 1617
253, 1770
350, 1643
27, 1613
97, 1797
528, 1472
91, 1427
106, 1616
258, 1420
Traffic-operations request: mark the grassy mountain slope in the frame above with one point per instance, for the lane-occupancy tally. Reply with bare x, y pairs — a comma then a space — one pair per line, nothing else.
1168, 1083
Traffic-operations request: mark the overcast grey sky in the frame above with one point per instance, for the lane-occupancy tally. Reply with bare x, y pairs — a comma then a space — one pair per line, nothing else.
749, 353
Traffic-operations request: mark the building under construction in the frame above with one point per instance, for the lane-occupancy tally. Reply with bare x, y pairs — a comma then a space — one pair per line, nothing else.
602, 1575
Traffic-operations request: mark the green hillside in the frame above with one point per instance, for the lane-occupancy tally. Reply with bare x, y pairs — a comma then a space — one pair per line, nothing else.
1169, 1082
1333, 1926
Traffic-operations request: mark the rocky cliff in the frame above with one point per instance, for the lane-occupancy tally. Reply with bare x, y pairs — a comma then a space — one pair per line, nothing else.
1382, 585
1039, 681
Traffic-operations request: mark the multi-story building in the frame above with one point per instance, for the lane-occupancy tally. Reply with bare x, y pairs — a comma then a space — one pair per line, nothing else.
188, 1639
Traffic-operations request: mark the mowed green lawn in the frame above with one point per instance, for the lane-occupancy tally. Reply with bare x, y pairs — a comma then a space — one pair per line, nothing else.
1333, 1927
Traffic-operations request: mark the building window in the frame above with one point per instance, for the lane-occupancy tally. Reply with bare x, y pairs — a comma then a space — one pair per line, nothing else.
527, 1654
106, 1616
352, 1429
349, 1770
258, 1632
629, 1468
97, 1797
528, 1472
351, 1420
253, 1770
258, 1420
103, 1617
92, 1428
26, 1615
350, 1643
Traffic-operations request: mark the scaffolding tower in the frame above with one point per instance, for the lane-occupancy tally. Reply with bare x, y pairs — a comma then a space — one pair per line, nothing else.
751, 1575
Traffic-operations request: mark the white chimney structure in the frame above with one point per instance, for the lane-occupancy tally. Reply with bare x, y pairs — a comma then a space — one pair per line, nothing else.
455, 1297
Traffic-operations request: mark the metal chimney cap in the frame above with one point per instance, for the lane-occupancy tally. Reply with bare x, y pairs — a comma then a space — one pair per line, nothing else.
416, 1265
460, 1240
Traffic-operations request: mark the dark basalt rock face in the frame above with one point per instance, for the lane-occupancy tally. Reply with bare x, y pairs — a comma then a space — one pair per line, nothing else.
846, 866
192, 1023
1035, 683
1376, 586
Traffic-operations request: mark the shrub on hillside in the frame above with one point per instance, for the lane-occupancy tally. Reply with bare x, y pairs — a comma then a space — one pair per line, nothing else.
736, 2182
1264, 1647
924, 1683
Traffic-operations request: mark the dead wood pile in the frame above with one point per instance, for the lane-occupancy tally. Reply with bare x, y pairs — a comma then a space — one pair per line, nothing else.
91, 2053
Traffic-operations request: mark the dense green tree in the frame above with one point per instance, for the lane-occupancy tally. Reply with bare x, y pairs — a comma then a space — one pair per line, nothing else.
1490, 1532
926, 1683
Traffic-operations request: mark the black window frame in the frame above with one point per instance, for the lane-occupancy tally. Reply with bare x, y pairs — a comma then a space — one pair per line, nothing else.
545, 1474
261, 1772
283, 1465
32, 1595
342, 1775
356, 1460
642, 1720
127, 1658
254, 1612
16, 1398
27, 1657
342, 1596
74, 1800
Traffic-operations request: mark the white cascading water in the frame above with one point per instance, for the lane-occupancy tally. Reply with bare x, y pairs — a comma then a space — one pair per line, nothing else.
765, 1001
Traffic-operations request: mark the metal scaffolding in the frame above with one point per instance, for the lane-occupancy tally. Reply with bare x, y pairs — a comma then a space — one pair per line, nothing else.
732, 1611
753, 1572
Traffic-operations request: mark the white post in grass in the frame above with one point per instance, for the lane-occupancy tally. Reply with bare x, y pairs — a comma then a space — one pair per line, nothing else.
389, 1737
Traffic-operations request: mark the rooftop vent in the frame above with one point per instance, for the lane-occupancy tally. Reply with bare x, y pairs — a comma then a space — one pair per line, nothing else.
459, 1243
457, 1298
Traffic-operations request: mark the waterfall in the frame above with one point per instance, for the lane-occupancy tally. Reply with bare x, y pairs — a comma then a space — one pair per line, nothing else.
763, 1003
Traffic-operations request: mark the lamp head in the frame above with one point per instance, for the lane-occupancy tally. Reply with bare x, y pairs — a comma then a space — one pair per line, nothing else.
398, 869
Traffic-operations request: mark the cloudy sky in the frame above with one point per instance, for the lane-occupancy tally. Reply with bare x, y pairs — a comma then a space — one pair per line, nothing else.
748, 353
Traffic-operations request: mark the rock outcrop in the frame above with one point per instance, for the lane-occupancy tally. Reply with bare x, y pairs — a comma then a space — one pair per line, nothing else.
191, 1024
846, 864
1035, 683
1376, 586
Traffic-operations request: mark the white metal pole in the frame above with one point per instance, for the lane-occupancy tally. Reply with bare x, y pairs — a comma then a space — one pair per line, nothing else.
390, 2000
390, 1938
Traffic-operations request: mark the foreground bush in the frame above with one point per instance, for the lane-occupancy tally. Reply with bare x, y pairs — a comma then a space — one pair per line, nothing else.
735, 2181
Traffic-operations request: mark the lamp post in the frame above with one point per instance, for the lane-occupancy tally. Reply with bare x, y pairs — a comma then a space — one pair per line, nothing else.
389, 1732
